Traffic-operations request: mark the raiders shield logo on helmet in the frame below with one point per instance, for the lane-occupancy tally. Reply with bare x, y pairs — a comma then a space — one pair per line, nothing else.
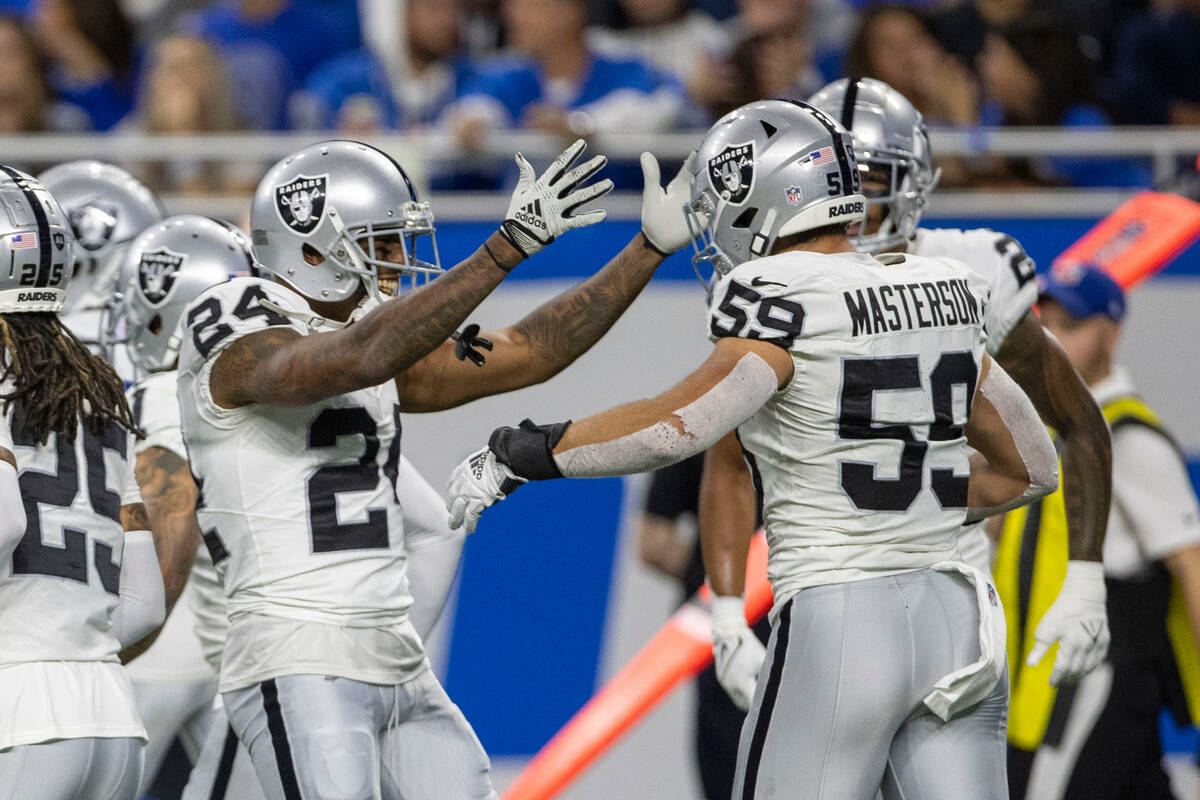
93, 224
301, 202
731, 172
156, 273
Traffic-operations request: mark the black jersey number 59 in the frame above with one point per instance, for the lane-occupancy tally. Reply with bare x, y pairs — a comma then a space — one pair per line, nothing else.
861, 379
326, 482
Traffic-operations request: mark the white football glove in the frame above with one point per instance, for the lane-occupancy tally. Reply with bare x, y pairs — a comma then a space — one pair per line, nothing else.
1078, 621
542, 208
737, 652
663, 222
478, 482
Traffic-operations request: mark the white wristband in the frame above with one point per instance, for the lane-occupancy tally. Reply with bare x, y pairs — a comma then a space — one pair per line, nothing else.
728, 614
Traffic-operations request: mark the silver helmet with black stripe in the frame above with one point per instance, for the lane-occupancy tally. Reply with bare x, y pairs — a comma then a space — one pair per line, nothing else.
894, 159
106, 207
769, 169
167, 267
340, 214
36, 246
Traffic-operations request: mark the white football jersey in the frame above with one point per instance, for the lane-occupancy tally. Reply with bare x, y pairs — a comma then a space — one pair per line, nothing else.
861, 460
1001, 261
60, 586
299, 508
997, 258
181, 653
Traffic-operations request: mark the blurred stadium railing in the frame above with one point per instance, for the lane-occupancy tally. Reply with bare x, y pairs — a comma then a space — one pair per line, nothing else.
1168, 149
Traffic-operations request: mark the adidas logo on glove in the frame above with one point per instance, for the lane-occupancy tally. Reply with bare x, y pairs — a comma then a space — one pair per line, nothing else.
531, 214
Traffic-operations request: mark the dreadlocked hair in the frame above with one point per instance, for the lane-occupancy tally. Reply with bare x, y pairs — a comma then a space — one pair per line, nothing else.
57, 381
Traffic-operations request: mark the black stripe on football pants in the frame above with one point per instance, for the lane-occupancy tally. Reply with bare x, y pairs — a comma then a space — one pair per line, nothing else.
42, 279
225, 766
279, 740
770, 693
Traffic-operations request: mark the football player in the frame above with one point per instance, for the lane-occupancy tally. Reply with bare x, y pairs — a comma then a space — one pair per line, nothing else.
887, 651
895, 162
80, 579
106, 207
290, 392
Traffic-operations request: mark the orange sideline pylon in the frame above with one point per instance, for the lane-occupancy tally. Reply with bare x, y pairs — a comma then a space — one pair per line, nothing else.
680, 649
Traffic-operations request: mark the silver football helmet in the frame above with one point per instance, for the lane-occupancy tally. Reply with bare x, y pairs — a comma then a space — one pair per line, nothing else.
106, 207
168, 265
769, 169
340, 204
894, 158
37, 239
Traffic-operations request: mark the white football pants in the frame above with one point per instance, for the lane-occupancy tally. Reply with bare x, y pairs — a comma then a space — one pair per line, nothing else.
313, 737
72, 769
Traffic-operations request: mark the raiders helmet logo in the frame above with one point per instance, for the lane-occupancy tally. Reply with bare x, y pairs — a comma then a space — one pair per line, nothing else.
156, 273
93, 224
300, 202
731, 173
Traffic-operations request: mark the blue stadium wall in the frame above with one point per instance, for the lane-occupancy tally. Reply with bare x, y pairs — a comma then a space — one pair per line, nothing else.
528, 628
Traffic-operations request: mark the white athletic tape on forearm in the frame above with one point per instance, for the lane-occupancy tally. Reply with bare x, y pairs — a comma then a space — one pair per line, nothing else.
729, 403
142, 604
1028, 434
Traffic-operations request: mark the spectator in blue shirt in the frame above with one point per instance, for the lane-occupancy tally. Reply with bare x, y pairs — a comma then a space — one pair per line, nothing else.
1156, 79
362, 91
270, 47
1034, 73
89, 44
557, 85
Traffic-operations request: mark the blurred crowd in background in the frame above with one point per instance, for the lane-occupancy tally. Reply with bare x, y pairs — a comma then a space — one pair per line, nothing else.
579, 67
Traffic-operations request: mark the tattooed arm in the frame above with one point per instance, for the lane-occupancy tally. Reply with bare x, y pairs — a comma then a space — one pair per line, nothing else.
169, 494
538, 347
1040, 367
281, 367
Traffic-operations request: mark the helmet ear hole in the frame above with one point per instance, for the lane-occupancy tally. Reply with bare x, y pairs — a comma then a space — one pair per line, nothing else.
312, 256
155, 325
745, 219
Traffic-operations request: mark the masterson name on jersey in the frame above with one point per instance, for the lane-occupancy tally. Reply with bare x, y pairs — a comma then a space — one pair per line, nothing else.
907, 306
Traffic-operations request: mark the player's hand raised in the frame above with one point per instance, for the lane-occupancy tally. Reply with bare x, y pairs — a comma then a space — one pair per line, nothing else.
1078, 621
478, 482
738, 655
664, 223
543, 207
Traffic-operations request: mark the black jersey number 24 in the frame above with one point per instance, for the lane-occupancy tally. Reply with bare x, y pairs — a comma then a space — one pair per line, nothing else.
328, 481
861, 379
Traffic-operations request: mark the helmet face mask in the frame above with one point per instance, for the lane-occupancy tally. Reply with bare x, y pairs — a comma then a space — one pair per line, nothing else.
340, 215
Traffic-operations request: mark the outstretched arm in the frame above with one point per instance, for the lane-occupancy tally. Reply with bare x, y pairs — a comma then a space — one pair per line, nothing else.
542, 344
1038, 364
735, 381
282, 367
554, 335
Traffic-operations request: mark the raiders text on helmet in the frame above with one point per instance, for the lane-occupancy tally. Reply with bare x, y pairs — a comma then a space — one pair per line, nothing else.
106, 207
169, 265
892, 148
769, 169
334, 203
35, 234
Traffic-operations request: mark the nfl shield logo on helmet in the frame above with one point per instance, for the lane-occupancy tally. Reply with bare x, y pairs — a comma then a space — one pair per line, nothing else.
793, 195
60, 240
300, 202
156, 273
731, 172
93, 224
